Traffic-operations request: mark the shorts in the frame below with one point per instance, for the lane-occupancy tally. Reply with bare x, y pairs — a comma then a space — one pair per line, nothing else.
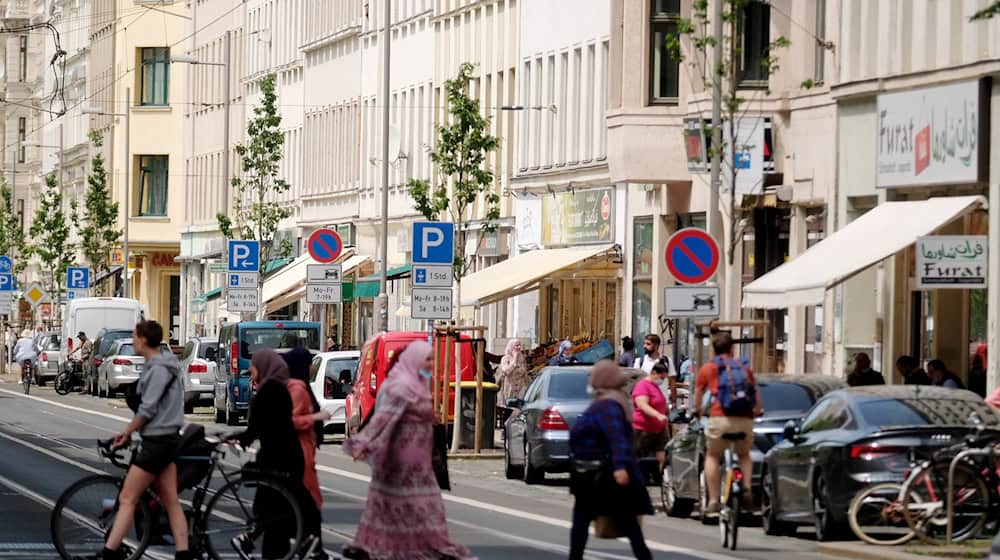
720, 425
647, 444
156, 453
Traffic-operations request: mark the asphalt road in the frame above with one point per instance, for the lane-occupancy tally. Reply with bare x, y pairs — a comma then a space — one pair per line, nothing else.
47, 443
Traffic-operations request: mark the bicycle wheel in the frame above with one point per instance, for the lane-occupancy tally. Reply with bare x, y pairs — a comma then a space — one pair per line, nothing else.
256, 516
925, 509
734, 517
876, 515
27, 383
62, 384
84, 514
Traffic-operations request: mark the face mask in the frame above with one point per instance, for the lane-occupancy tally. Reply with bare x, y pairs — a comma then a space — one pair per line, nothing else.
590, 391
425, 374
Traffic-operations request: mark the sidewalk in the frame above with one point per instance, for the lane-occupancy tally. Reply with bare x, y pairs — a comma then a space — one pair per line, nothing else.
912, 551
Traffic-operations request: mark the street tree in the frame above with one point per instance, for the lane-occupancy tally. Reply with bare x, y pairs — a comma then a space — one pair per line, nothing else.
463, 182
256, 215
12, 241
50, 230
98, 226
988, 12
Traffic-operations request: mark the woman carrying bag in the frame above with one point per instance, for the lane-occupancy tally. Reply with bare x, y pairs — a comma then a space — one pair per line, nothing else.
605, 478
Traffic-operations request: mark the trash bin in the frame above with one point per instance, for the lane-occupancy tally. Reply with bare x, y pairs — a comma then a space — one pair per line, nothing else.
487, 425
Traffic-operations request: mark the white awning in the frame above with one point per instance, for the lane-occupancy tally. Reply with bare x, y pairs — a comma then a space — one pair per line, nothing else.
289, 284
524, 272
882, 232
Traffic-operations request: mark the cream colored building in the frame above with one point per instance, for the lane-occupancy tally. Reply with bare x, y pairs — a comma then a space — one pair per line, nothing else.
130, 70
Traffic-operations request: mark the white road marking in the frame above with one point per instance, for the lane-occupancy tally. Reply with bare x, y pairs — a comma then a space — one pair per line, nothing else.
494, 508
52, 454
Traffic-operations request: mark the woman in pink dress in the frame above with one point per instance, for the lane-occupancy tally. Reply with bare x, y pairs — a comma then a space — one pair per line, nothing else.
404, 517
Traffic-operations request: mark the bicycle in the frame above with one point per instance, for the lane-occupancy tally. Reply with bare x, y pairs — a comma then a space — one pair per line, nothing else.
876, 515
732, 492
222, 520
26, 375
69, 378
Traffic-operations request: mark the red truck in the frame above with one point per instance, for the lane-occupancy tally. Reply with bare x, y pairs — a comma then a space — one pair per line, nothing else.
376, 356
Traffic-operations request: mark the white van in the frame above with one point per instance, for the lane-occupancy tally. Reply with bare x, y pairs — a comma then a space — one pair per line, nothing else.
92, 314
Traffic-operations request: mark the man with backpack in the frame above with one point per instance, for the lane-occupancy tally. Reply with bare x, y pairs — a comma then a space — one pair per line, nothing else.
734, 404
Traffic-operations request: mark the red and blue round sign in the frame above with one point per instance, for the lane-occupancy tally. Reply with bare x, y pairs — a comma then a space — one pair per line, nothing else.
692, 256
324, 245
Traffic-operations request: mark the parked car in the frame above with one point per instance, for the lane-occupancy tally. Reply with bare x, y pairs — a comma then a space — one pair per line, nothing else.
853, 438
198, 363
376, 358
332, 378
92, 315
536, 436
783, 397
48, 357
121, 367
102, 345
237, 343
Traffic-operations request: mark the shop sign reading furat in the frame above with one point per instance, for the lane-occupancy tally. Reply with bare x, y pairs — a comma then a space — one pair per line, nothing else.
952, 261
930, 136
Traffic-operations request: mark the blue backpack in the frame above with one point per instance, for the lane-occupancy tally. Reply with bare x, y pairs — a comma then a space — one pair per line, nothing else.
737, 396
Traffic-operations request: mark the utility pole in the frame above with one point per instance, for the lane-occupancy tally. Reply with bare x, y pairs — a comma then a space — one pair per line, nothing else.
714, 220
226, 102
62, 196
128, 193
383, 298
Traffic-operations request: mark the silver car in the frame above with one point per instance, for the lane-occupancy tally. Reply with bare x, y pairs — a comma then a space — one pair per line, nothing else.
49, 358
198, 364
120, 367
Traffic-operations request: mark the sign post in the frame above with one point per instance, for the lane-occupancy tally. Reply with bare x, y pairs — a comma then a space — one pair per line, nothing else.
77, 282
243, 276
324, 283
692, 256
7, 287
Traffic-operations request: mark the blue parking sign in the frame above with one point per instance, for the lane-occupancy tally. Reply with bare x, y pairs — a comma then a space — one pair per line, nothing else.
433, 243
78, 278
244, 255
7, 283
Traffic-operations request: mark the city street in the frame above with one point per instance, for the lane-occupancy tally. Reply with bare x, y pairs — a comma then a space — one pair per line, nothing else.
47, 442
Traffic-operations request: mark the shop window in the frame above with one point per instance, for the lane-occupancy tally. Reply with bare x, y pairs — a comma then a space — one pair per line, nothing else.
155, 76
22, 136
815, 232
642, 275
755, 31
153, 174
642, 252
664, 71
642, 309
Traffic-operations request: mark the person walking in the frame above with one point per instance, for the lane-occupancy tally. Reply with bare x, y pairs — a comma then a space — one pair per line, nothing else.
565, 356
404, 517
863, 373
606, 479
512, 375
628, 352
977, 376
650, 420
911, 372
651, 356
158, 420
308, 420
270, 423
943, 377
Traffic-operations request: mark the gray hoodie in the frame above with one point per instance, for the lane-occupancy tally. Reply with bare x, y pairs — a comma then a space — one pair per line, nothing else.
162, 407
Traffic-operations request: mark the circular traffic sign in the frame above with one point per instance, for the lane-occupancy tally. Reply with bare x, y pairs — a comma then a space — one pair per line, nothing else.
324, 245
692, 256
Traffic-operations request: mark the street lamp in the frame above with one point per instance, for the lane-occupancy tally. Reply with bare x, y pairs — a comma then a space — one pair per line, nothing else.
128, 178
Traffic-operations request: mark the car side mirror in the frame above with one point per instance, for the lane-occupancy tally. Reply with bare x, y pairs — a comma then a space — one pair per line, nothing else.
515, 402
791, 432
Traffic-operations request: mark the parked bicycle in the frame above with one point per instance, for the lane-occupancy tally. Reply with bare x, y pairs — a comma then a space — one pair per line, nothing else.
70, 378
222, 517
732, 492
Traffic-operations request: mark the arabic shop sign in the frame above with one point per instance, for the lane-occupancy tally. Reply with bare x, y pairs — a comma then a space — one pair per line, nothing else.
576, 218
931, 136
952, 261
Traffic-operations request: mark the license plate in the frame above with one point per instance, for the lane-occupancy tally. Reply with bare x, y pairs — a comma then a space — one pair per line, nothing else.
138, 367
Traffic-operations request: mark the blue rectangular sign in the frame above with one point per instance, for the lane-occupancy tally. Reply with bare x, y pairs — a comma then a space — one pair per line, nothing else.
7, 283
77, 278
244, 255
433, 243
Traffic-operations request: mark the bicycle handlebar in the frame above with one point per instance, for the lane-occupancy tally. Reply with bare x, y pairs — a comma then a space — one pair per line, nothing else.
113, 454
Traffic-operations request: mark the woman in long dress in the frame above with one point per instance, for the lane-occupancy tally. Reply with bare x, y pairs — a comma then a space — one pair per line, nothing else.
405, 516
512, 376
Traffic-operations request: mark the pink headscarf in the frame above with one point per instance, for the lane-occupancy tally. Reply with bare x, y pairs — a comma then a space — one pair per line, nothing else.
508, 353
404, 379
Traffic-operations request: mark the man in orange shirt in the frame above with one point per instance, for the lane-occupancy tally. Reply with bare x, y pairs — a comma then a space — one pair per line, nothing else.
729, 414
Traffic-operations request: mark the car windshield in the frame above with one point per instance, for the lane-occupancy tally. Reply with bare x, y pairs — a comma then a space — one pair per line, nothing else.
110, 337
126, 350
785, 397
334, 367
569, 386
891, 413
277, 339
205, 347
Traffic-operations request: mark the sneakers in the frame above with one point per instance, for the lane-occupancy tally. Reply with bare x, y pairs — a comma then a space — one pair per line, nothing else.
243, 545
713, 509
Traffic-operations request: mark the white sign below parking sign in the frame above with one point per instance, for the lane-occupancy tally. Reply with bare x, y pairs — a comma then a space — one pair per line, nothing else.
691, 301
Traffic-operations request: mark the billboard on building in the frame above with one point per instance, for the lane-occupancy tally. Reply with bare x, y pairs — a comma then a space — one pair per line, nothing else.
933, 136
578, 217
952, 261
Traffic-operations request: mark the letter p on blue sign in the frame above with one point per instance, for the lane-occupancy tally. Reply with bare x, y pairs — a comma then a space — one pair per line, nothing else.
433, 243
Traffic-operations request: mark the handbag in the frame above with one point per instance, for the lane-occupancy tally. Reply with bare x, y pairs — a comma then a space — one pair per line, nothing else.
606, 528
439, 456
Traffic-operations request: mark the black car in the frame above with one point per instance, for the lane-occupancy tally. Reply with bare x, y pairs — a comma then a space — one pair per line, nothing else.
857, 437
102, 345
784, 397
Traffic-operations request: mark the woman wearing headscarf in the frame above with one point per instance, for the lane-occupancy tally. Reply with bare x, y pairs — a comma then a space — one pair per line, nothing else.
270, 423
565, 356
512, 376
405, 516
308, 421
606, 479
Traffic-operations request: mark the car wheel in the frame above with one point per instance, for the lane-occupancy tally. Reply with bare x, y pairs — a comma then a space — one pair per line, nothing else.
511, 471
91, 387
531, 474
232, 417
39, 381
101, 391
826, 528
703, 500
769, 520
674, 506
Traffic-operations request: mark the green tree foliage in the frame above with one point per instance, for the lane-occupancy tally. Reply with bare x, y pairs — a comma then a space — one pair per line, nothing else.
463, 179
98, 226
11, 235
50, 231
987, 13
256, 215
